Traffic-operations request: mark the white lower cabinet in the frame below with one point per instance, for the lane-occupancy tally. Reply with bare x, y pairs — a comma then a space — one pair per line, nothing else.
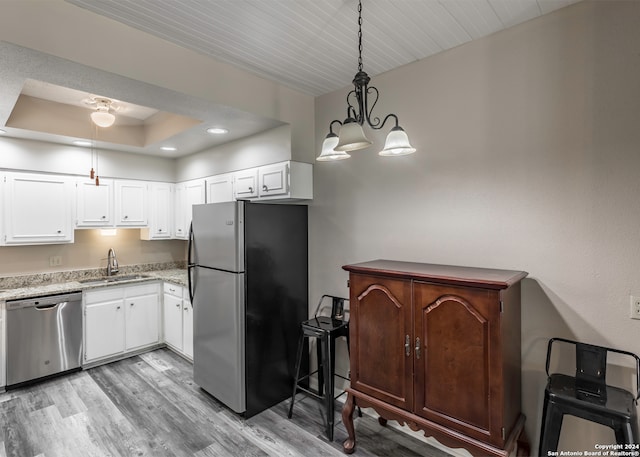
187, 325
141, 319
178, 320
173, 321
120, 319
3, 378
104, 329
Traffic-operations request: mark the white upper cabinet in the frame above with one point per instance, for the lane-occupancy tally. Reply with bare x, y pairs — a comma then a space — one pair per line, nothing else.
161, 221
273, 179
38, 208
187, 194
245, 184
279, 181
220, 188
94, 204
131, 203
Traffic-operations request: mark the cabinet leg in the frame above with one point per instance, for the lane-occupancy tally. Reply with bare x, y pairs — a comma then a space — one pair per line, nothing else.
349, 444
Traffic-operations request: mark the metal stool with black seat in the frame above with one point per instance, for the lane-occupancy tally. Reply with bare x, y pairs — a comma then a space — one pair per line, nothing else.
586, 395
326, 329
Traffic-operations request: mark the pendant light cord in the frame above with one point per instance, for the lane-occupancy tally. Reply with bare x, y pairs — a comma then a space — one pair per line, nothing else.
360, 35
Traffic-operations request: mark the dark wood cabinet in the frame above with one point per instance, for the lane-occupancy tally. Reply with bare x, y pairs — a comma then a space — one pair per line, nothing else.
437, 347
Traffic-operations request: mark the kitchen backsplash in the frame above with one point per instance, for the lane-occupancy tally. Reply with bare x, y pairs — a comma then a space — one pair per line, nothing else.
12, 282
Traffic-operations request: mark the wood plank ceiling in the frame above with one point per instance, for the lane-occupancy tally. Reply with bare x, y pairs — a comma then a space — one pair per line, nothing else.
312, 45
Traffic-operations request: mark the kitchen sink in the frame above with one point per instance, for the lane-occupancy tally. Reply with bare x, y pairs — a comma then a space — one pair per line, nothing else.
112, 279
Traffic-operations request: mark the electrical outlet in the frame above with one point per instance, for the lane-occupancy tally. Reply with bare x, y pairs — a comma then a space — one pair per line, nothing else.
55, 260
635, 307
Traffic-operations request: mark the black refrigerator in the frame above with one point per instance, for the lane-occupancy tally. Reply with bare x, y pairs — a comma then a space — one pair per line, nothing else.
248, 282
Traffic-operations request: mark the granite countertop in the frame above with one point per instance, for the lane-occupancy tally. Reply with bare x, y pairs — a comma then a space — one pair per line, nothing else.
28, 286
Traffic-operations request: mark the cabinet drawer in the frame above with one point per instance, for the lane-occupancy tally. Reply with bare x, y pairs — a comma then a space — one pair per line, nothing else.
103, 295
172, 289
142, 289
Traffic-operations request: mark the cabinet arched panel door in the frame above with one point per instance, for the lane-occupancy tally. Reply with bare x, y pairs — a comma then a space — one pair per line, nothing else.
458, 334
380, 329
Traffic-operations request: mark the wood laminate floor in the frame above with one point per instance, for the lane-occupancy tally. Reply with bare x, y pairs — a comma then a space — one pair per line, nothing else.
149, 406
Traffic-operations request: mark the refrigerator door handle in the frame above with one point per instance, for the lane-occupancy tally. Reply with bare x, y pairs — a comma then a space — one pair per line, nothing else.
190, 265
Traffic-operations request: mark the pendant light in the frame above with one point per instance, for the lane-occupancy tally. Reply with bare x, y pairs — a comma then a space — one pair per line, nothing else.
359, 111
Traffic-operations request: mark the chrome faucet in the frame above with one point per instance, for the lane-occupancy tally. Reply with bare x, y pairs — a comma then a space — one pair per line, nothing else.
112, 263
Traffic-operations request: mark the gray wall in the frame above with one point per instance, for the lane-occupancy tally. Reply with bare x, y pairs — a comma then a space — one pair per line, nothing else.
528, 158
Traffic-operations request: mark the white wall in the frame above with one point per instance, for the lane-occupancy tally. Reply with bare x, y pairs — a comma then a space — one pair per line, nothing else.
528, 159
18, 154
262, 149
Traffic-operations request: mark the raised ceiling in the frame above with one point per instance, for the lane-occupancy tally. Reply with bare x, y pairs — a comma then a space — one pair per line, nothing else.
308, 45
42, 98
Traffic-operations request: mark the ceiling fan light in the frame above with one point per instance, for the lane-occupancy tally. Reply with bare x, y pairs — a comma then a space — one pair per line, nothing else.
397, 143
103, 118
328, 152
351, 137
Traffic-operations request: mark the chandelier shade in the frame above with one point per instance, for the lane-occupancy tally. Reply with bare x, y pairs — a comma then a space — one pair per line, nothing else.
351, 137
360, 103
397, 143
328, 149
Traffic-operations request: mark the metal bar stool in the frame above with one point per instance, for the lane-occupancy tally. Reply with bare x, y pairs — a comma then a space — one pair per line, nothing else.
326, 329
586, 395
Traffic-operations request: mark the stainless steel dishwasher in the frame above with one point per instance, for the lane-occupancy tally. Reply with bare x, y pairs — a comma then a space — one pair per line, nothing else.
44, 336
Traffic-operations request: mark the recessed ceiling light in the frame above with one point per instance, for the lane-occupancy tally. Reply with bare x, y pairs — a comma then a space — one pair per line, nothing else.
168, 148
2, 132
217, 131
82, 143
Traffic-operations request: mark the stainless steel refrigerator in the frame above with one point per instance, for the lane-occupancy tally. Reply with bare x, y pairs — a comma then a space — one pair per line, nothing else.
248, 281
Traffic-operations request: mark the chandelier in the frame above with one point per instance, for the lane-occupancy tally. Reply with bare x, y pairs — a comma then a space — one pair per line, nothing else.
359, 110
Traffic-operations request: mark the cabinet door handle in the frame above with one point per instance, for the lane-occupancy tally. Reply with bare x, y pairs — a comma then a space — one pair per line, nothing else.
407, 345
250, 189
118, 307
265, 188
417, 348
131, 304
177, 305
